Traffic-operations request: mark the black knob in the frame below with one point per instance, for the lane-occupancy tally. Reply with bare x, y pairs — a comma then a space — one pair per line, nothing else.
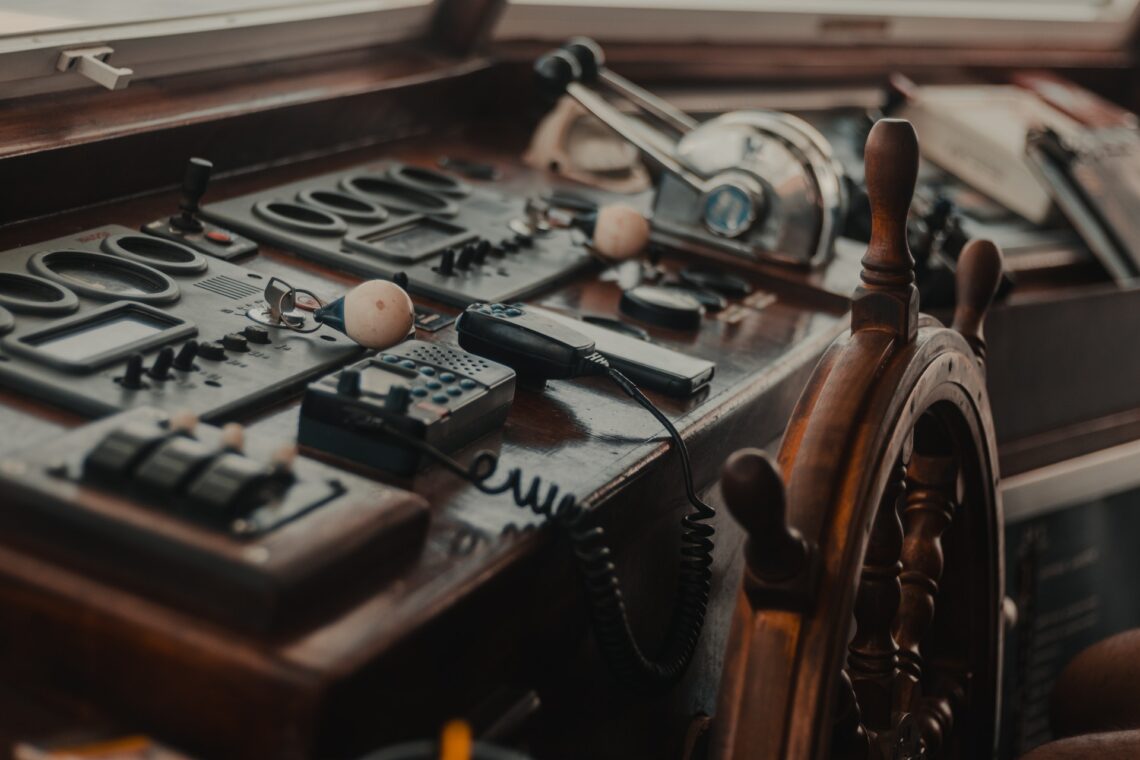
526, 241
160, 370
482, 248
508, 245
554, 71
194, 183
401, 279
132, 377
348, 383
235, 342
588, 54
399, 397
466, 256
446, 261
256, 334
213, 351
185, 359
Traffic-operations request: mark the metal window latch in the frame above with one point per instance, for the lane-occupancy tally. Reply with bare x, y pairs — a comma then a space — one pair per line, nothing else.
92, 63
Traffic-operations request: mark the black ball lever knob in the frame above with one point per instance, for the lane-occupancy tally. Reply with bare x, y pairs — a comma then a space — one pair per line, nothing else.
589, 55
554, 72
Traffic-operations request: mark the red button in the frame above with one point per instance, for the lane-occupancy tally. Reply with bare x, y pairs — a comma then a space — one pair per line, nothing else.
219, 237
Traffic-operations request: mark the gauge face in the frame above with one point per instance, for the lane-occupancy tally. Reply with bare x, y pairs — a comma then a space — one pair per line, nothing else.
729, 210
105, 277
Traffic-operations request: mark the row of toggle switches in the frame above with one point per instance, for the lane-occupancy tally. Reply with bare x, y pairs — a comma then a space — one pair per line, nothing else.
135, 375
476, 253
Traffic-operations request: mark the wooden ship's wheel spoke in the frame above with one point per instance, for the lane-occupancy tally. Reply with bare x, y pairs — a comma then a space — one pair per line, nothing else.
868, 625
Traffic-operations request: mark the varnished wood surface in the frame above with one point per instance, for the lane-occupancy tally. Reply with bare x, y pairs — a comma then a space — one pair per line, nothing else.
479, 607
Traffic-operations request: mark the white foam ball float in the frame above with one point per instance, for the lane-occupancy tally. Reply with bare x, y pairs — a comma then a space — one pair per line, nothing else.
376, 314
620, 232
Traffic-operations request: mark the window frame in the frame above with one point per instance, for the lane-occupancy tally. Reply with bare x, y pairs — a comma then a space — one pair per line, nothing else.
198, 43
827, 23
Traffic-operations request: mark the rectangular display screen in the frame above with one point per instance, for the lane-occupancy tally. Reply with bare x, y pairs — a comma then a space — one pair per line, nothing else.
87, 340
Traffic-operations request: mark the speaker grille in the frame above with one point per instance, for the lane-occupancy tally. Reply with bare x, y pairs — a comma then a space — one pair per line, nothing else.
228, 287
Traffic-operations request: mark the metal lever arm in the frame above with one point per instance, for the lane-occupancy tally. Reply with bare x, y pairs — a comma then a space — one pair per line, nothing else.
593, 62
560, 73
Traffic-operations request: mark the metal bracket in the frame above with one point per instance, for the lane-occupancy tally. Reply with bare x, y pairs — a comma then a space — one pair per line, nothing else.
92, 63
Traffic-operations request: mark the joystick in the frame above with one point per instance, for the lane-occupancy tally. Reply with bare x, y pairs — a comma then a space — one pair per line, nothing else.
194, 184
188, 227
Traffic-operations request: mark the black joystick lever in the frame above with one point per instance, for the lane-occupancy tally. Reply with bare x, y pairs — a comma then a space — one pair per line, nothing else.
194, 184
188, 226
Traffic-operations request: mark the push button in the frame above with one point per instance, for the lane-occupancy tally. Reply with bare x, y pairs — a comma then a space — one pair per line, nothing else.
235, 342
256, 334
212, 350
219, 237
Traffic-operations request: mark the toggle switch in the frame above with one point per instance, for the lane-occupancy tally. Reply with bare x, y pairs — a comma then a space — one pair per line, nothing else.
184, 361
466, 256
132, 376
160, 370
446, 262
482, 248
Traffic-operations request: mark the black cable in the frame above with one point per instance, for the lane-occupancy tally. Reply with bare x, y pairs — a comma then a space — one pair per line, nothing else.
612, 630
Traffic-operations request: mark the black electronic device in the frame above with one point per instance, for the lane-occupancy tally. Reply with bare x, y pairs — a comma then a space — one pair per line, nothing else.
110, 319
428, 392
647, 364
538, 347
665, 307
188, 227
221, 522
455, 242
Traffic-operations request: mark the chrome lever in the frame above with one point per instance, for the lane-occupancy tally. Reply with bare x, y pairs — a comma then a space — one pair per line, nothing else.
560, 73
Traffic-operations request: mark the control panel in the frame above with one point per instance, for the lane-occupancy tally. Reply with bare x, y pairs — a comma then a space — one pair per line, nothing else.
456, 243
111, 319
213, 520
435, 394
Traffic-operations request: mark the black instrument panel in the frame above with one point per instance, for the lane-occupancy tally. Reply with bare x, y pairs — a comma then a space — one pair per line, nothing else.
457, 243
104, 320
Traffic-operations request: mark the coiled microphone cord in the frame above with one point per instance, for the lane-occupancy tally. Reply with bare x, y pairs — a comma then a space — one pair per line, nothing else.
628, 661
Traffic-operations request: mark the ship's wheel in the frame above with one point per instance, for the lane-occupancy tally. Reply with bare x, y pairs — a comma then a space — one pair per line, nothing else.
869, 623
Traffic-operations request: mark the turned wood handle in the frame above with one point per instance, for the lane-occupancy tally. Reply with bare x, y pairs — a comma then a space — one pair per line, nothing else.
891, 156
754, 493
977, 278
